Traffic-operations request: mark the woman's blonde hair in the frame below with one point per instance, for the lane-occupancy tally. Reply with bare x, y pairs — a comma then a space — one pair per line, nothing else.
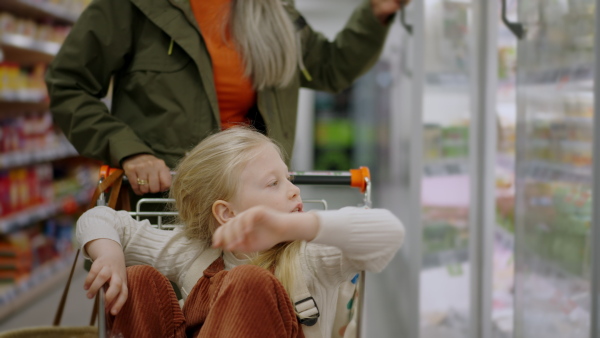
210, 172
264, 35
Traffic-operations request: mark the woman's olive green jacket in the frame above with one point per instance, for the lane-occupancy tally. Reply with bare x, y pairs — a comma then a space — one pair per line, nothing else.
164, 100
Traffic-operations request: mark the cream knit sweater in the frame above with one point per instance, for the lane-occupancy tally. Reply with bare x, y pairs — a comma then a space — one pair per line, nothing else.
349, 240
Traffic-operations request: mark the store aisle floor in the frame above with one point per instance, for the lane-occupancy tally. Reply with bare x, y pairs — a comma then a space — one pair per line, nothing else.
78, 308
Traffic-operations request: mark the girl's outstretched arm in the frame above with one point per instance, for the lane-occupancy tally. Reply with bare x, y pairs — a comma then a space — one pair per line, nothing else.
260, 228
108, 267
367, 238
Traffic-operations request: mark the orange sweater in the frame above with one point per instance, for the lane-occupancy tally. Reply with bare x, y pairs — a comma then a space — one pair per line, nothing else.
234, 90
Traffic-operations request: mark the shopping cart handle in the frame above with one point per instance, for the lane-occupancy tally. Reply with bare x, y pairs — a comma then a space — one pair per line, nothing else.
106, 170
356, 178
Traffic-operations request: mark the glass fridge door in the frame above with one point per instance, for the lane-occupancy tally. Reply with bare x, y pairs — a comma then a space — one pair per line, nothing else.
553, 168
445, 189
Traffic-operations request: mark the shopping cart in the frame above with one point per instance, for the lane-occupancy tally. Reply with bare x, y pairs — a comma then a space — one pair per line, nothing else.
111, 179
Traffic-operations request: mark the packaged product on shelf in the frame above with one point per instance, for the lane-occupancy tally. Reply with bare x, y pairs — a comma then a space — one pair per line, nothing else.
9, 81
31, 136
59, 231
10, 138
25, 187
16, 248
7, 22
37, 32
455, 141
38, 132
20, 84
4, 193
432, 142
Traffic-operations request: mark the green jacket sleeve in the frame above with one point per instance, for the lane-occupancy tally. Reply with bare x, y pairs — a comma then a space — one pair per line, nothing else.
79, 77
334, 65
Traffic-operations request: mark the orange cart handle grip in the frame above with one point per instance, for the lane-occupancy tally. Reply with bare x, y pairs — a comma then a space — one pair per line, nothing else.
356, 178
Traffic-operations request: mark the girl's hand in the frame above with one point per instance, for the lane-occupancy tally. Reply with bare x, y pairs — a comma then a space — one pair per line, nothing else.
260, 228
147, 174
108, 267
384, 8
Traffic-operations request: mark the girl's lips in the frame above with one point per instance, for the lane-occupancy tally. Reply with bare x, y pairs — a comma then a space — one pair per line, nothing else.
298, 208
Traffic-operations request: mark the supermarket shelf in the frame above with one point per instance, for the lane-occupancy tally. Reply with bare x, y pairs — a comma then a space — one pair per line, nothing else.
27, 51
9, 107
548, 171
564, 144
552, 75
444, 258
42, 280
40, 212
446, 167
460, 166
17, 159
461, 255
38, 10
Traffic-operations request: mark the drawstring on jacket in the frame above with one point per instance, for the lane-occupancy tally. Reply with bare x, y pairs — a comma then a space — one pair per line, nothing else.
300, 61
299, 24
171, 47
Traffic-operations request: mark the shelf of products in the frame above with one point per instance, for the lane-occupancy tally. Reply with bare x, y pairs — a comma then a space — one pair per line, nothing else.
24, 56
12, 108
62, 12
556, 101
29, 42
44, 184
37, 284
43, 211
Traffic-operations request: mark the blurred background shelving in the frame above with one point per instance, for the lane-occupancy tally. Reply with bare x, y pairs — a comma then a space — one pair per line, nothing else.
44, 184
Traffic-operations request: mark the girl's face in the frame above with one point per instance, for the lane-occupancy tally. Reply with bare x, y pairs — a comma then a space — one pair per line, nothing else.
265, 181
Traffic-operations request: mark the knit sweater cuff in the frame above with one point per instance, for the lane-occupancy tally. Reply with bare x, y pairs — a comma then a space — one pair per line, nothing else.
331, 227
87, 229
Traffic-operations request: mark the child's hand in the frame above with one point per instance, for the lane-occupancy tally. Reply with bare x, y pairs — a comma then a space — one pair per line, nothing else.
260, 228
108, 266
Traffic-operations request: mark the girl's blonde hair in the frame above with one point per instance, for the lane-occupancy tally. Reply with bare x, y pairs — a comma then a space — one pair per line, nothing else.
211, 172
264, 35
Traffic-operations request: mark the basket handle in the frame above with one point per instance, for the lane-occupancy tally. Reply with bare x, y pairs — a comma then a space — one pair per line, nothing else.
112, 180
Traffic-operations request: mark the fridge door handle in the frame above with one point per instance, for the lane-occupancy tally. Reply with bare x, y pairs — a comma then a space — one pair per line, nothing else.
407, 27
518, 29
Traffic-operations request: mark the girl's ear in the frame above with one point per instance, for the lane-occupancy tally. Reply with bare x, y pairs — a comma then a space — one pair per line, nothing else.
222, 211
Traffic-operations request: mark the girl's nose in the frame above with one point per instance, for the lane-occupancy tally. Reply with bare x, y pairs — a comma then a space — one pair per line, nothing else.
294, 191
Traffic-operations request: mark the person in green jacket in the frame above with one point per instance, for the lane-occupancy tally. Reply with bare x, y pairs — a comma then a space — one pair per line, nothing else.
184, 69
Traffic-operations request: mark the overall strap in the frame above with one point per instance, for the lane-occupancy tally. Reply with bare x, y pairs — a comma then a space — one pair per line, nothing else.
305, 305
196, 270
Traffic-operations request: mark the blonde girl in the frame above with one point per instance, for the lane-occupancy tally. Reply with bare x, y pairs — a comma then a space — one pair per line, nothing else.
236, 203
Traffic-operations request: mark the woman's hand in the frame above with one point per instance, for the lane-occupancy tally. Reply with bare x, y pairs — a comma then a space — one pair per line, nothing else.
108, 267
383, 9
147, 174
260, 228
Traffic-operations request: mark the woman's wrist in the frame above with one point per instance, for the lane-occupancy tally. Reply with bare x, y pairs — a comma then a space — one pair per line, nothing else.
384, 10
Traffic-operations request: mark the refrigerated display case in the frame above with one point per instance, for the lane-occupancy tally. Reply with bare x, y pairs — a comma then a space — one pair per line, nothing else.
456, 76
445, 199
555, 130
